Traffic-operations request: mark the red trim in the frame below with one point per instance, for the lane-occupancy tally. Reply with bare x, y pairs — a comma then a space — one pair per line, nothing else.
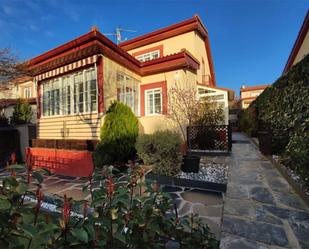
100, 84
39, 97
299, 41
148, 50
145, 87
191, 24
253, 88
210, 62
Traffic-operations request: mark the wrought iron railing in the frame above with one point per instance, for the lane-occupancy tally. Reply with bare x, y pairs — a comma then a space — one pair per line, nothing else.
209, 138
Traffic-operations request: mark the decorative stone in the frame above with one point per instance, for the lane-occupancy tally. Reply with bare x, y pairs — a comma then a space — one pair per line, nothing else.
210, 172
261, 194
258, 231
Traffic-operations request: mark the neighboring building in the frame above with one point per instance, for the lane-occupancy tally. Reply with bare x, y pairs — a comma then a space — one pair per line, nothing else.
21, 88
250, 93
77, 81
301, 46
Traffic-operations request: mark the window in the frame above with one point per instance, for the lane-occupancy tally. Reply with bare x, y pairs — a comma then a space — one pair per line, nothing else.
153, 101
149, 56
127, 91
70, 94
27, 92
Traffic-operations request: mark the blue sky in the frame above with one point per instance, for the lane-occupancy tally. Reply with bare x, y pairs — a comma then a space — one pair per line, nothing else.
250, 39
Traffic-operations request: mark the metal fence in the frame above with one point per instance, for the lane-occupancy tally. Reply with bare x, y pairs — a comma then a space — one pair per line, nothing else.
217, 138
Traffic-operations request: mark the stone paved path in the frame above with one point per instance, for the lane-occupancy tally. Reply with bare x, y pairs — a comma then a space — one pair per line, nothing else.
261, 210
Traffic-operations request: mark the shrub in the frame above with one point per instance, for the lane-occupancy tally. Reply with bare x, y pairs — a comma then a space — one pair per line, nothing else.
118, 136
247, 122
209, 113
3, 120
296, 155
22, 113
161, 149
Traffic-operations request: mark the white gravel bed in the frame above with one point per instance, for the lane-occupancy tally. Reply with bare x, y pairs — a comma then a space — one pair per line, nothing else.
209, 172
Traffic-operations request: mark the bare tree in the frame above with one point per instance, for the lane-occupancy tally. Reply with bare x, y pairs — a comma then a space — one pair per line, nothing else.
183, 106
10, 67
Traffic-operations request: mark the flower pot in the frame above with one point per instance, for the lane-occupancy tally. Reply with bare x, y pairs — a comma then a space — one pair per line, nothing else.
190, 163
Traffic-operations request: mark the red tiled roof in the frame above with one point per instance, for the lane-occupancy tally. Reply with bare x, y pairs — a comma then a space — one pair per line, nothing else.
299, 41
188, 25
252, 88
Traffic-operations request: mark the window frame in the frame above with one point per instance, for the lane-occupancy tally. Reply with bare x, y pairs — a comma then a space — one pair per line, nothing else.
63, 111
26, 90
146, 101
141, 57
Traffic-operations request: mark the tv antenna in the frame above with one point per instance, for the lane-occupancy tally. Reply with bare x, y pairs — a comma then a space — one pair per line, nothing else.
118, 33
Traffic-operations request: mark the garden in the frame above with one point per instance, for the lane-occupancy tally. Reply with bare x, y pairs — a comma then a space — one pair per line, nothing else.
128, 208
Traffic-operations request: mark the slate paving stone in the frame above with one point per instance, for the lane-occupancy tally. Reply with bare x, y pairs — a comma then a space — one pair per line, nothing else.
258, 231
261, 194
284, 213
290, 200
174, 195
263, 216
203, 197
168, 188
232, 242
213, 225
242, 208
237, 192
300, 230
266, 165
212, 211
185, 209
278, 184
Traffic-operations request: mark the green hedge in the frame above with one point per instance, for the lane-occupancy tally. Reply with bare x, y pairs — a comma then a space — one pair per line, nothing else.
284, 109
161, 149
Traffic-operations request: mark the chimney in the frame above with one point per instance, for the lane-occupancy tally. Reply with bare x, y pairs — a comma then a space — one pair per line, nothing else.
94, 28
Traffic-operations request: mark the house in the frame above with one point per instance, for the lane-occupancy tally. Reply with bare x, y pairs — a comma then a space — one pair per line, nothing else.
250, 93
301, 46
77, 81
21, 88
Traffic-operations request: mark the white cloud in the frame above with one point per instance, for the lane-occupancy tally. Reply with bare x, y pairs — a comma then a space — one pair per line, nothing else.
49, 33
33, 27
7, 9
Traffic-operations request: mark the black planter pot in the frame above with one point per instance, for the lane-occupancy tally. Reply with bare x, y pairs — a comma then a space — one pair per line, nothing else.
265, 142
190, 163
